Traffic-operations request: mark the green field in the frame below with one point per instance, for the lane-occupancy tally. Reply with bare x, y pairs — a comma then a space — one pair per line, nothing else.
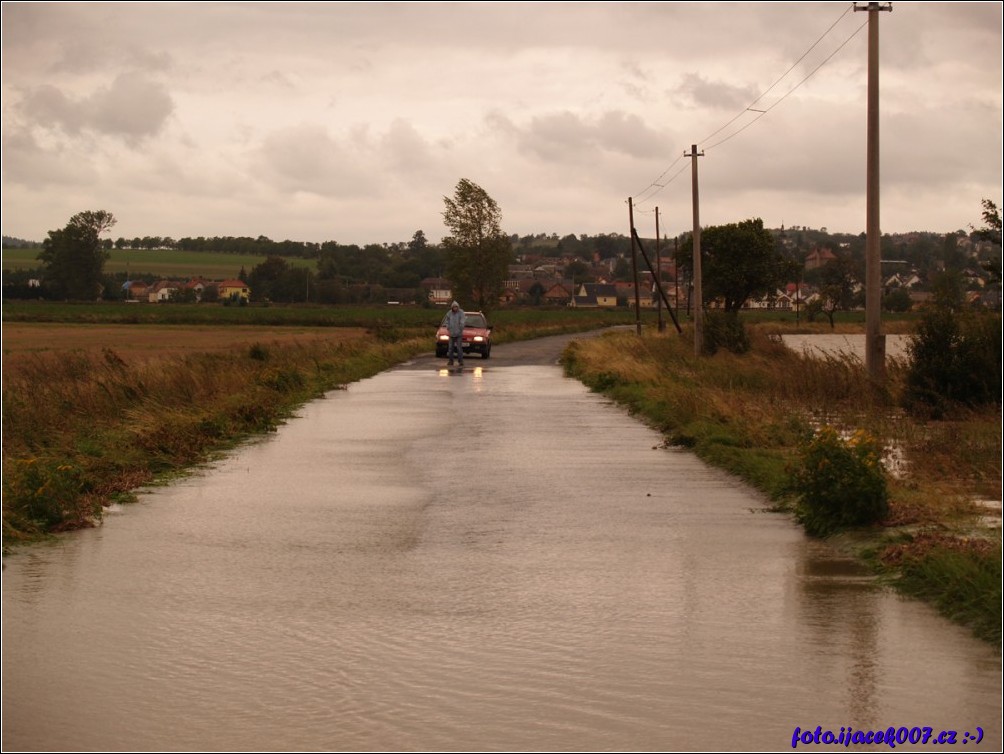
390, 320
167, 263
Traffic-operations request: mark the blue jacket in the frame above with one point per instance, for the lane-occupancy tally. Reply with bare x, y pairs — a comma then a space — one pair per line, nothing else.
455, 320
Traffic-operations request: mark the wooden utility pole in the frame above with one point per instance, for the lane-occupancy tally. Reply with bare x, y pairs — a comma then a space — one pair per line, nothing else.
634, 266
874, 339
658, 284
658, 272
698, 297
676, 273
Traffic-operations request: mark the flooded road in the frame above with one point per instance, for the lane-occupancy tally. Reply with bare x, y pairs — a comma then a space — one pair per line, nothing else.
489, 560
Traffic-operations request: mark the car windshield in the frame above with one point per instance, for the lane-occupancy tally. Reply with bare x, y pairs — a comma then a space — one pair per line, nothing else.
471, 320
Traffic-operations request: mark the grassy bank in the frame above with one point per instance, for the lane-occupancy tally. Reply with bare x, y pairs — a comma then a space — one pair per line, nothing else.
753, 414
81, 430
84, 426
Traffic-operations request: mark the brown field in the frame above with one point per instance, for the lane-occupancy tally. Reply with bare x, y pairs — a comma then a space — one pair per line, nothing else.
136, 343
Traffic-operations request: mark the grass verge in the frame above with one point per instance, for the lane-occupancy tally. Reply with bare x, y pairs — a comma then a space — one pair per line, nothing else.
83, 429
753, 414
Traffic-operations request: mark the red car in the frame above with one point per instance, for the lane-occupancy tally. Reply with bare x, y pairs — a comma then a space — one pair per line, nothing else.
477, 336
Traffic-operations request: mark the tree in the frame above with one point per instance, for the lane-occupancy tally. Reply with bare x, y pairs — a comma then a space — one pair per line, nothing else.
74, 256
991, 230
738, 261
838, 289
477, 251
418, 242
991, 234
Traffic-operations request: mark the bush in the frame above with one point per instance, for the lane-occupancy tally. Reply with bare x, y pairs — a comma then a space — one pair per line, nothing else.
44, 495
724, 330
840, 483
955, 358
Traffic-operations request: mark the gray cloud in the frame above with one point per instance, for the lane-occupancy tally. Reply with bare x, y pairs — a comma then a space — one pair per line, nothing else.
133, 108
566, 136
558, 109
405, 149
306, 158
716, 94
27, 163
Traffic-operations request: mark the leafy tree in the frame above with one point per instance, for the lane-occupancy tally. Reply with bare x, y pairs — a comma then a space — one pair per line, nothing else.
477, 251
738, 261
622, 270
418, 242
948, 290
577, 271
74, 256
991, 233
991, 230
536, 293
838, 283
276, 280
955, 359
897, 300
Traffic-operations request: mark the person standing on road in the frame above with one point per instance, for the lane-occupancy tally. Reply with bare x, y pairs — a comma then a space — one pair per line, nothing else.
455, 321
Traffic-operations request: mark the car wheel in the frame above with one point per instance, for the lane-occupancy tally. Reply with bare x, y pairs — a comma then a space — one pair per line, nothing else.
486, 352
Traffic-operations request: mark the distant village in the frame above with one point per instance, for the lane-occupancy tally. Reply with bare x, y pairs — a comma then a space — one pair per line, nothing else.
570, 271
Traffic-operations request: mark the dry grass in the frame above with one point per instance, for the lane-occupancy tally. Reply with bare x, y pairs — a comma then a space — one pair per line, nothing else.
772, 397
139, 343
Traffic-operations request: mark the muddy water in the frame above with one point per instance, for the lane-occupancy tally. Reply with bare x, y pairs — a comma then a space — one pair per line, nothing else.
846, 345
488, 560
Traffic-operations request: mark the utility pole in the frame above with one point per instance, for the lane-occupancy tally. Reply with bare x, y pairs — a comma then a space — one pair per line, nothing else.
658, 271
634, 266
698, 298
874, 339
676, 274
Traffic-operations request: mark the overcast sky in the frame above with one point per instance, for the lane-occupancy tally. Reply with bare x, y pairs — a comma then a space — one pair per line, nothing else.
351, 121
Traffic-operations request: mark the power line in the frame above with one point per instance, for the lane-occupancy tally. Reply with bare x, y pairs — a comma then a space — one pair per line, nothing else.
782, 99
657, 185
660, 186
780, 79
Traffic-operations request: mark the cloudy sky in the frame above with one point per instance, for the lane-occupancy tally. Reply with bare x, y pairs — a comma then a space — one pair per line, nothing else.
351, 121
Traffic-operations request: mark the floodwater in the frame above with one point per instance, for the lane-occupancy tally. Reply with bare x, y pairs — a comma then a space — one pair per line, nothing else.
851, 345
493, 559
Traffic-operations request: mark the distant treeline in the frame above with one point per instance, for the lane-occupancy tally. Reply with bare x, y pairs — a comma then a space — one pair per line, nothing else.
9, 242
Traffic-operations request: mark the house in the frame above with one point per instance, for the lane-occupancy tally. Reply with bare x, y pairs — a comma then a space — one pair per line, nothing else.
559, 293
231, 290
162, 291
779, 300
819, 258
438, 290
605, 294
903, 280
197, 286
136, 290
509, 296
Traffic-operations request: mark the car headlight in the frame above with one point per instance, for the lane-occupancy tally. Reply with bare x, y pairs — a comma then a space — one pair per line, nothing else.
478, 338
444, 337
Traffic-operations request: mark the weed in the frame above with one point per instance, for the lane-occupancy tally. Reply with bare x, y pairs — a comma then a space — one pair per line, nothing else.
840, 483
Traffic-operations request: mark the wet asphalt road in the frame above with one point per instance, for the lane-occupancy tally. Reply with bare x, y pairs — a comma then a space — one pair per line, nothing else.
493, 559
